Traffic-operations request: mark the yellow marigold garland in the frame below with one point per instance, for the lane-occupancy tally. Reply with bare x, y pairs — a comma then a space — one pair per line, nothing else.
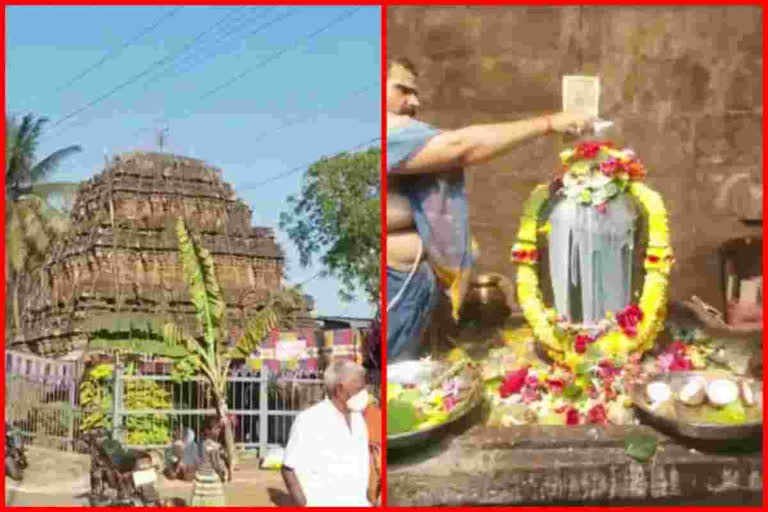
614, 343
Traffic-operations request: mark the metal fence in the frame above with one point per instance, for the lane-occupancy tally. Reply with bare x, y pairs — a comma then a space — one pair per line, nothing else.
44, 409
260, 407
150, 409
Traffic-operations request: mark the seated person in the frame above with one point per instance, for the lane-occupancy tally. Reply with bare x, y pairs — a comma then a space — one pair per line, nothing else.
182, 456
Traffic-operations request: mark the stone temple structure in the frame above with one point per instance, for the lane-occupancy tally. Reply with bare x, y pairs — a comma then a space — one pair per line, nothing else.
119, 270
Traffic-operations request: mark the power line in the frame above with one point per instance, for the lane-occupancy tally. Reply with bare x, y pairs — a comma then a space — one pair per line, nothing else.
298, 168
276, 55
189, 62
117, 51
313, 115
229, 29
138, 76
258, 29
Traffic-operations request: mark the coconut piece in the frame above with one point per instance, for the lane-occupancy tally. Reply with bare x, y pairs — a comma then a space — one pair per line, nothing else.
722, 392
693, 391
666, 409
747, 394
658, 392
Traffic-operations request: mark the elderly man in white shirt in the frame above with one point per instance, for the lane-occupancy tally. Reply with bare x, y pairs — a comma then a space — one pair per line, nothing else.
326, 462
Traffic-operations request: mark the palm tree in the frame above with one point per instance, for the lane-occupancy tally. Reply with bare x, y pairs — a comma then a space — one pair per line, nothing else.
208, 353
31, 225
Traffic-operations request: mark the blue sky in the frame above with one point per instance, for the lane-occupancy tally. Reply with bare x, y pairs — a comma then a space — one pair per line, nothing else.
333, 79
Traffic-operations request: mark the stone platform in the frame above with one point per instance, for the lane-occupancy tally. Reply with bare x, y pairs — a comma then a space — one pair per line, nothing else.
555, 465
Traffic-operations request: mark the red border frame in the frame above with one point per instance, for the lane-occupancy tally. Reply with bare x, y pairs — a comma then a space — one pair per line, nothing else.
383, 4
765, 246
383, 285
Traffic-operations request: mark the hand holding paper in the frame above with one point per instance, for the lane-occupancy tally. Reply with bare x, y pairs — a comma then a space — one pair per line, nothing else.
582, 94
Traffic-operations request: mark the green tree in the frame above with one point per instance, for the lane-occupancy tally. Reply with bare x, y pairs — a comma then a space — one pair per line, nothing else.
337, 218
31, 225
208, 353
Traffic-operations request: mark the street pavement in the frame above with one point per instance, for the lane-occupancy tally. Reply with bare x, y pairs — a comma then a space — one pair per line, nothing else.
56, 478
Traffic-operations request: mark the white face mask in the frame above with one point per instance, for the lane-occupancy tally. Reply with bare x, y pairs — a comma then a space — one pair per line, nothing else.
358, 402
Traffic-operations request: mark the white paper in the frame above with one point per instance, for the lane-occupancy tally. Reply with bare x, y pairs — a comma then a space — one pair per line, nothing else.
750, 290
581, 94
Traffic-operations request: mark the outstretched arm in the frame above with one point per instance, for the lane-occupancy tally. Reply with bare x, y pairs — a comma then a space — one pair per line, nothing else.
480, 143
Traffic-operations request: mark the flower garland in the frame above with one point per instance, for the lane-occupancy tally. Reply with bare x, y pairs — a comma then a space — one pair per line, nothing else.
629, 331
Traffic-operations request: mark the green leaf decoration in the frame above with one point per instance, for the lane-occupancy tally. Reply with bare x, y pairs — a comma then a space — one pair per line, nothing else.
410, 395
641, 447
732, 414
96, 401
594, 354
572, 391
583, 368
401, 417
492, 385
257, 329
204, 291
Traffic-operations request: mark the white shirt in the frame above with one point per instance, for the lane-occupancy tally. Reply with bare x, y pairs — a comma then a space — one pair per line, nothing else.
330, 461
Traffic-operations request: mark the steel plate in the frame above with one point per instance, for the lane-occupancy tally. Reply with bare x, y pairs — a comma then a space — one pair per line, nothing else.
417, 372
704, 431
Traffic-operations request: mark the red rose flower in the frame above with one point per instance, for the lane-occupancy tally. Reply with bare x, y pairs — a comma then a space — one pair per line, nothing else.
629, 318
680, 364
597, 414
581, 343
677, 347
513, 382
572, 417
606, 369
588, 149
556, 385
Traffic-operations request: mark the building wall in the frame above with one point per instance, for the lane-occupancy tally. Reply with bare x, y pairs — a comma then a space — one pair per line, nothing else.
683, 85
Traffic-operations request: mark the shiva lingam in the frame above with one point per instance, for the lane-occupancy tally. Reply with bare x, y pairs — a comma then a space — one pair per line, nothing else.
590, 215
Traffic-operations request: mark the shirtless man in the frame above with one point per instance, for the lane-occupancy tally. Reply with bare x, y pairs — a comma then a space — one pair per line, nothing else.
428, 242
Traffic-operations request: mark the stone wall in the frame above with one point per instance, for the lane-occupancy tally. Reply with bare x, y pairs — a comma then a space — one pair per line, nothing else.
683, 85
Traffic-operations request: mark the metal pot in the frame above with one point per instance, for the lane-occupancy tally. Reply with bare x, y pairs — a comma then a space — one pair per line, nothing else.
486, 300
